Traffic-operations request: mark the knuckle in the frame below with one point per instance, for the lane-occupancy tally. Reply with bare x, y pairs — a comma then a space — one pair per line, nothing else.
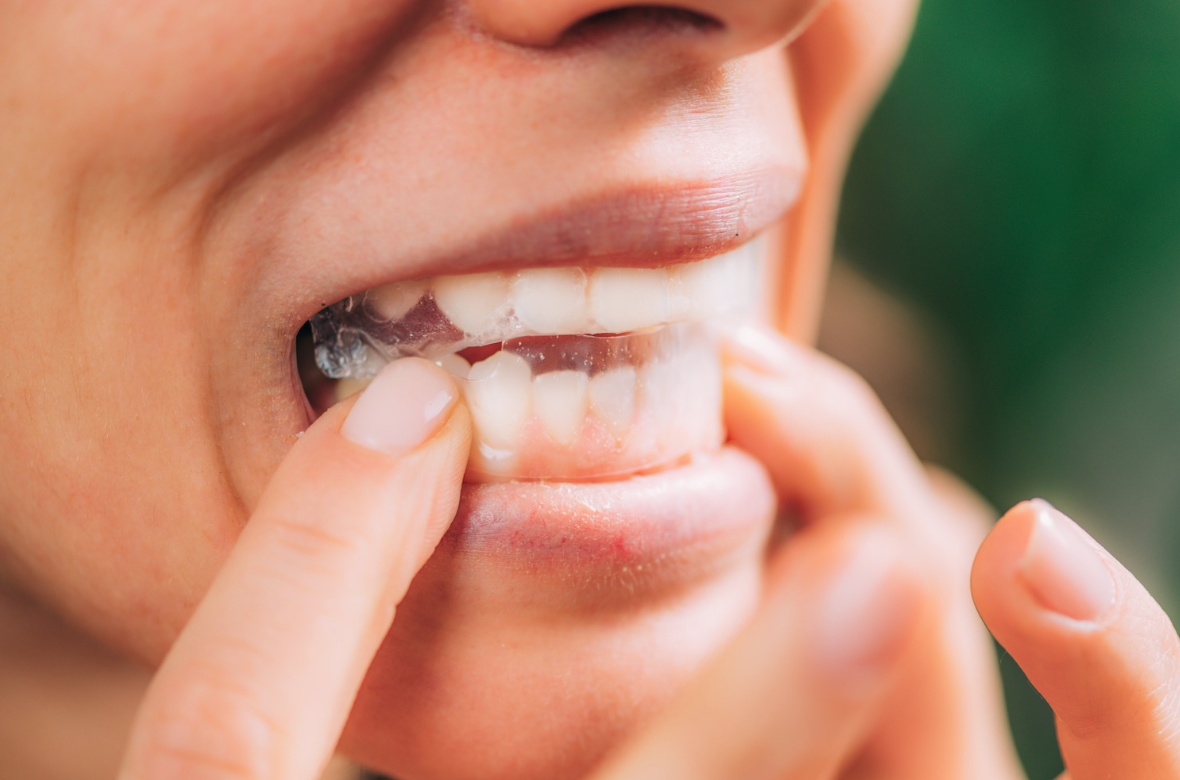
207, 730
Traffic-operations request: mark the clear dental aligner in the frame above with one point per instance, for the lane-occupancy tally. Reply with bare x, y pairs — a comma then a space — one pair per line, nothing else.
603, 405
553, 401
446, 314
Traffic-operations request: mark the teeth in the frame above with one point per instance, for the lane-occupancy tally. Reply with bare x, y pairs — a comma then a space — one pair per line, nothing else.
626, 299
698, 291
499, 395
612, 407
551, 300
658, 389
394, 301
474, 303
631, 402
612, 397
560, 402
493, 307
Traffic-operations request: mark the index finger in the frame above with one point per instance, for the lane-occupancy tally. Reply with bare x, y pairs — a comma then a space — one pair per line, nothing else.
1091, 639
261, 680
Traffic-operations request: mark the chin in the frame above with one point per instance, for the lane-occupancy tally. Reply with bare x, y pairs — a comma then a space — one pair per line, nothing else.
554, 620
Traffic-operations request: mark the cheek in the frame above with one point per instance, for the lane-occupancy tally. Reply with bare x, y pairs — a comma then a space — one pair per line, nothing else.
94, 522
177, 81
111, 471
114, 501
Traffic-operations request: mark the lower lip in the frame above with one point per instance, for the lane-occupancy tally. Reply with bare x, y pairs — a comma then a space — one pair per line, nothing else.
654, 533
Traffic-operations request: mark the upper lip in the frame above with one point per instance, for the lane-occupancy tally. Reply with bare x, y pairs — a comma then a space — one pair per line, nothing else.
642, 227
648, 225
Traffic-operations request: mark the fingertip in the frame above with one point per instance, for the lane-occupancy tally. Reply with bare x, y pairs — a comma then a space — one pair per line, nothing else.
998, 557
1090, 638
1038, 561
1062, 569
406, 404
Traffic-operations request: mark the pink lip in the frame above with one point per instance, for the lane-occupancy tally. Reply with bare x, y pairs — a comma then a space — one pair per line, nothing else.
648, 225
578, 542
644, 227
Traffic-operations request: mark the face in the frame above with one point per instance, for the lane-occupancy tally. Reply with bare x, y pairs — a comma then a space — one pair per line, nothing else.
187, 184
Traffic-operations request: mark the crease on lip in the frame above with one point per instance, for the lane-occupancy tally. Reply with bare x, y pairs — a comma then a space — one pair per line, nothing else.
644, 226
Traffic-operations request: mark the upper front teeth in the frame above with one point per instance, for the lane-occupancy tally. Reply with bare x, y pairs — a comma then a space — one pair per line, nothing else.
468, 302
624, 299
445, 314
550, 300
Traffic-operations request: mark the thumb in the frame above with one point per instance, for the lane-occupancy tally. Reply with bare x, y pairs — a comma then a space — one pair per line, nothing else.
1089, 637
260, 681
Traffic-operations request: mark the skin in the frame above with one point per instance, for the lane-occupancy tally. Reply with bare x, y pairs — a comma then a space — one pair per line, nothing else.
184, 185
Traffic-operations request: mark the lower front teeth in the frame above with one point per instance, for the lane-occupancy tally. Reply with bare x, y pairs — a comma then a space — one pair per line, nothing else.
499, 393
582, 407
585, 407
560, 402
612, 398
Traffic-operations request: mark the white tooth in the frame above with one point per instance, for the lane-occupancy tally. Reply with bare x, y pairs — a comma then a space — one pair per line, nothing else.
680, 303
474, 303
499, 396
656, 383
551, 300
347, 387
559, 400
394, 301
612, 397
626, 299
454, 365
742, 270
705, 288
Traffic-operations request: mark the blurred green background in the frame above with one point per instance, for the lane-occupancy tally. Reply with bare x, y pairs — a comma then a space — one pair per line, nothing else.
1020, 185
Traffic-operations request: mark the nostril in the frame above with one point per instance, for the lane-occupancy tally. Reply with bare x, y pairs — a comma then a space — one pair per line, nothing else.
705, 31
639, 21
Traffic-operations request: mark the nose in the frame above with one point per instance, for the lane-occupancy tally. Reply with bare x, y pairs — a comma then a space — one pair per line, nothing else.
724, 29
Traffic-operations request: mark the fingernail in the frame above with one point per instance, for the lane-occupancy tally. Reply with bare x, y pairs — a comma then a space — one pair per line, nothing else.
1063, 571
760, 349
867, 613
403, 407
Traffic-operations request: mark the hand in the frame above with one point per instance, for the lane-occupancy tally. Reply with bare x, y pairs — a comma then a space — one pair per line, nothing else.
1090, 638
866, 659
261, 680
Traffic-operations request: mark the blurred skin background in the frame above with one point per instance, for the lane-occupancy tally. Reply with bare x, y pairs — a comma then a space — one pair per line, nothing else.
1009, 273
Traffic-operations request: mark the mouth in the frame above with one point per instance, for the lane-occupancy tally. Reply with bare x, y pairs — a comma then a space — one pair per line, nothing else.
570, 373
606, 525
